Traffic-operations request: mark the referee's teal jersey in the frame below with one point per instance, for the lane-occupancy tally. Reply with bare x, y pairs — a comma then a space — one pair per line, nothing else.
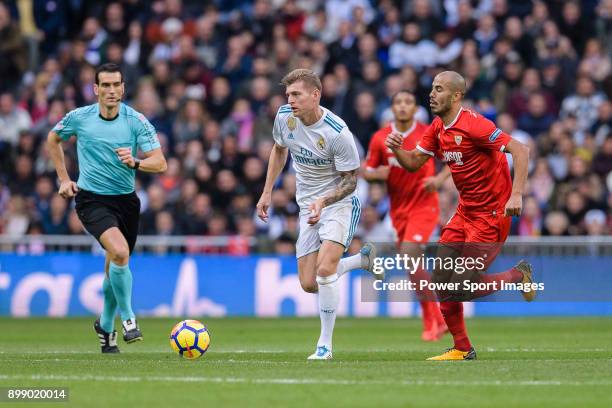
100, 170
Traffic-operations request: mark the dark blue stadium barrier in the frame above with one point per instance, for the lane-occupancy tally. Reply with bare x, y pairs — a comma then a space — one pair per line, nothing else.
175, 285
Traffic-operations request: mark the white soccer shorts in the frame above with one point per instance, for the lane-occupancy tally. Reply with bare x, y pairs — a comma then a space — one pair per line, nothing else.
338, 224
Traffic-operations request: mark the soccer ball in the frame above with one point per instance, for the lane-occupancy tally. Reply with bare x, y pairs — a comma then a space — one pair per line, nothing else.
190, 339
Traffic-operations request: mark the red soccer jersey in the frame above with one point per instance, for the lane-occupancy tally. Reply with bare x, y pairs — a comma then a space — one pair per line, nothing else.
473, 147
405, 189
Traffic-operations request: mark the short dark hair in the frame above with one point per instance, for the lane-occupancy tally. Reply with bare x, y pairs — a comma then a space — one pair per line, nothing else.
108, 67
401, 91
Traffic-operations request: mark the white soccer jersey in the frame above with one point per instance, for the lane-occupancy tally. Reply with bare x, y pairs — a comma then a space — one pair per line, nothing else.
319, 152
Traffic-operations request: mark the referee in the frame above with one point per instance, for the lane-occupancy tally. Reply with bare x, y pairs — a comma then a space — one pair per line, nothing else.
108, 134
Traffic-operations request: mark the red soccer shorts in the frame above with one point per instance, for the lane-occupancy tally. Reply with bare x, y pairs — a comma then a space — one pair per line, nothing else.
416, 227
490, 228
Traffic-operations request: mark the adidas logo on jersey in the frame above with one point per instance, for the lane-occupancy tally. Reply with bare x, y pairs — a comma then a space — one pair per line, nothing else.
290, 136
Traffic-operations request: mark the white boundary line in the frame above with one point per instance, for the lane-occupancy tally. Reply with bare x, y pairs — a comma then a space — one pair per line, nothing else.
366, 351
298, 381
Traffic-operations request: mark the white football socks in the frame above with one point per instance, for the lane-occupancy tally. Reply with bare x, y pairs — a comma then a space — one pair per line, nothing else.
348, 264
328, 303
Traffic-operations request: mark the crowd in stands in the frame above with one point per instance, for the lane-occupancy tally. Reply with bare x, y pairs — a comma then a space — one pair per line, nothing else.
206, 74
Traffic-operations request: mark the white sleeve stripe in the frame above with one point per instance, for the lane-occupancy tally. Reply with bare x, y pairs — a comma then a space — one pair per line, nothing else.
503, 148
424, 150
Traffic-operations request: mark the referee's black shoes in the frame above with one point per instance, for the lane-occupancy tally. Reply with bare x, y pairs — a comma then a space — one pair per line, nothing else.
108, 341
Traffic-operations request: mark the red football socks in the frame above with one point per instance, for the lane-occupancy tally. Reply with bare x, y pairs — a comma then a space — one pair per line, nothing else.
453, 316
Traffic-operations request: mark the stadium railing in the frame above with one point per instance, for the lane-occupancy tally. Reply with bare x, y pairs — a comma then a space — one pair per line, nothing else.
38, 244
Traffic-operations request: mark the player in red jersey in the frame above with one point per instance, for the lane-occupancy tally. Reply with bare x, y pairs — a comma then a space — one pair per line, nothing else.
473, 147
414, 201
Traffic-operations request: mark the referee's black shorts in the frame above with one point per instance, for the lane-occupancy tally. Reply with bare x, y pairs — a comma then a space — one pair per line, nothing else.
100, 212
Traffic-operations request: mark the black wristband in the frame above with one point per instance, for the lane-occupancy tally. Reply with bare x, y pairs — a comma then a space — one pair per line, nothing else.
136, 164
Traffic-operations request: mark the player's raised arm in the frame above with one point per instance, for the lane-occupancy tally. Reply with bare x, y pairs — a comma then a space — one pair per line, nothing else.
410, 160
68, 188
278, 158
520, 157
154, 161
380, 173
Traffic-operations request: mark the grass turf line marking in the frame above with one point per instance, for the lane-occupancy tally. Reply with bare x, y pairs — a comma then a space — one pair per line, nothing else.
300, 381
351, 350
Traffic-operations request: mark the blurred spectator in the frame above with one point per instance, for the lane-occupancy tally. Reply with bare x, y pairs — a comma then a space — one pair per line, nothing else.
595, 61
530, 84
422, 14
372, 227
23, 177
583, 104
542, 183
390, 29
164, 224
595, 223
521, 42
551, 44
536, 120
486, 34
602, 163
55, 221
136, 49
284, 245
477, 84
363, 122
13, 53
197, 215
14, 220
54, 114
13, 119
262, 127
156, 204
95, 36
219, 104
575, 208
190, 122
575, 25
463, 23
412, 49
239, 124
254, 172
530, 222
556, 224
554, 79
603, 23
114, 53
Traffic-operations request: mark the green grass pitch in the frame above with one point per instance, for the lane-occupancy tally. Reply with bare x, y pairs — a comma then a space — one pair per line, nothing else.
538, 362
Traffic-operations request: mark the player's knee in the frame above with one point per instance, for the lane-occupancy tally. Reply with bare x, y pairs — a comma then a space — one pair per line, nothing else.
325, 270
309, 286
120, 255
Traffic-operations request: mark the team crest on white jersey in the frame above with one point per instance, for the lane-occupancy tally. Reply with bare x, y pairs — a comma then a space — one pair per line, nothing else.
458, 140
321, 143
291, 123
